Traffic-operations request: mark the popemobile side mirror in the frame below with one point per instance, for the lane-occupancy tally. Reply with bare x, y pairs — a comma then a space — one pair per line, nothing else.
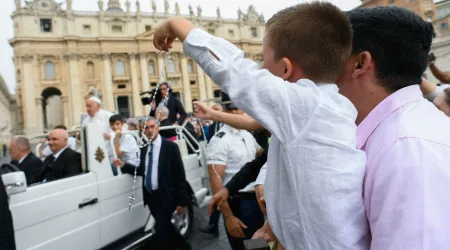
15, 182
256, 244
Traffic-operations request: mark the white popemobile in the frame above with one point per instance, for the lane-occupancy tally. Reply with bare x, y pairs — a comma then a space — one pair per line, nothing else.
90, 210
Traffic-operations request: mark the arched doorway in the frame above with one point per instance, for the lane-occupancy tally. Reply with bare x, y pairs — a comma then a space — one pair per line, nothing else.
52, 108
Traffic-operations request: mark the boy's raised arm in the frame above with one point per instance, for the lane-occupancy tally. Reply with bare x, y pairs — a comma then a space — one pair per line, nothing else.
279, 106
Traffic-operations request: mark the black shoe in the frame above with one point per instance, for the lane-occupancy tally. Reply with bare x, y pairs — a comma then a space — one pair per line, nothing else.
211, 230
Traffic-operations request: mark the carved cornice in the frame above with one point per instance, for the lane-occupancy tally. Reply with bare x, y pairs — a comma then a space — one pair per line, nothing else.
143, 55
27, 57
71, 56
105, 56
132, 55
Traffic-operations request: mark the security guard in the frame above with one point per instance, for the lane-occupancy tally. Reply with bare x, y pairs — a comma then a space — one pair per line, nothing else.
227, 152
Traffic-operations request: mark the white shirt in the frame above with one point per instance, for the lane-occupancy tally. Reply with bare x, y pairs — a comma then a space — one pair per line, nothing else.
262, 175
232, 148
313, 188
71, 143
101, 117
129, 148
155, 164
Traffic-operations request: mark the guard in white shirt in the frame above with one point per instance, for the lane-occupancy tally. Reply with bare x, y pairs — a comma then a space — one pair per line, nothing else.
227, 152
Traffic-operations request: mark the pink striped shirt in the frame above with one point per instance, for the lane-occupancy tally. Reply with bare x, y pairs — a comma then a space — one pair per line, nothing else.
407, 181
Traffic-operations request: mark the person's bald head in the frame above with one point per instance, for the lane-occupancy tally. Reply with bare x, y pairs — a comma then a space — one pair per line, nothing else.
93, 105
19, 148
58, 140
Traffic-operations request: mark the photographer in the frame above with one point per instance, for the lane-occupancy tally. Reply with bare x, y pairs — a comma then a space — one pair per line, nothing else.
173, 104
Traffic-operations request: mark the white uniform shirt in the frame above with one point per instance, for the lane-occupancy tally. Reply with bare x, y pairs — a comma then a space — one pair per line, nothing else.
71, 143
155, 160
313, 188
232, 148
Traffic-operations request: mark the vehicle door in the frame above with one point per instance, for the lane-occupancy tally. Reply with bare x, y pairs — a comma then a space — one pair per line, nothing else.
62, 214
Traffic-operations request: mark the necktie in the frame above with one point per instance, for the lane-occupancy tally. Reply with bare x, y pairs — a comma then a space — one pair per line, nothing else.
148, 176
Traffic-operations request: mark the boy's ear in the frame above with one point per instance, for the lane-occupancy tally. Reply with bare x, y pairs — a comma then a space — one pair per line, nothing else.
287, 68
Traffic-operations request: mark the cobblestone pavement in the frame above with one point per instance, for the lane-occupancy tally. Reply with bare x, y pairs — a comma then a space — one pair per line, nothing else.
200, 241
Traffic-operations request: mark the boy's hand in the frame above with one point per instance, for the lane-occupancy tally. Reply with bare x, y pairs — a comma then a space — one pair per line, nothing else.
118, 163
202, 111
169, 30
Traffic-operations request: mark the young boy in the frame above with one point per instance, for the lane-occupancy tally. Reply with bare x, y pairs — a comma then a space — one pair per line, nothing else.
125, 145
315, 173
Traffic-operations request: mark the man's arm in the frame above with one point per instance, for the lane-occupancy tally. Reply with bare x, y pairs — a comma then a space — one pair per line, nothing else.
180, 110
405, 200
441, 76
248, 173
179, 177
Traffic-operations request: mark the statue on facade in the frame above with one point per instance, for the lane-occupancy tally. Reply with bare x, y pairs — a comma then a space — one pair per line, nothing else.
100, 5
93, 91
240, 14
29, 4
69, 5
199, 11
18, 4
154, 7
138, 6
261, 18
177, 9
191, 11
166, 7
128, 5
218, 13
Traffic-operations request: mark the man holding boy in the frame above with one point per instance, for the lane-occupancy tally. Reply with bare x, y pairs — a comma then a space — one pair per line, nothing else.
315, 173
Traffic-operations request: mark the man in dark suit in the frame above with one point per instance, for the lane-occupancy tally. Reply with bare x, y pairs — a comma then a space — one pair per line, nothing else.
63, 162
173, 104
164, 186
25, 160
7, 241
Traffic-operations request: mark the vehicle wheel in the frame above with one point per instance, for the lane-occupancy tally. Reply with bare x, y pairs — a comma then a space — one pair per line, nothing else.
185, 221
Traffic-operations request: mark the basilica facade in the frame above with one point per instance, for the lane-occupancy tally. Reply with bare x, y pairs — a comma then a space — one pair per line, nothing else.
62, 55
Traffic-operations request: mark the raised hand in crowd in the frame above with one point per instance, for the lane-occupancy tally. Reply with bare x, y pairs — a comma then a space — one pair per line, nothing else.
203, 111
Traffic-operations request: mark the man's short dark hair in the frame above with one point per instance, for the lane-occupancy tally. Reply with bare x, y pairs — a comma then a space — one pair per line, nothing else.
316, 36
398, 40
114, 118
61, 127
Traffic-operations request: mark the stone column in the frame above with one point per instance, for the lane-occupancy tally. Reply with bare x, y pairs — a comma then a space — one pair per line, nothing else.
137, 106
201, 83
209, 90
75, 90
186, 85
108, 98
28, 91
144, 76
161, 67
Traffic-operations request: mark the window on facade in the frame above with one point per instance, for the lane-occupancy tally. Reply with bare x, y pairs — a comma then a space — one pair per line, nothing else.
231, 33
192, 82
444, 26
148, 27
87, 29
120, 68
46, 25
151, 68
90, 70
254, 32
116, 28
171, 66
217, 93
153, 84
49, 71
190, 67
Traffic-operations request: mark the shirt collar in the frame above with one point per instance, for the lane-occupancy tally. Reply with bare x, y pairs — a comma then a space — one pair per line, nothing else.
231, 129
158, 141
23, 158
393, 102
59, 153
